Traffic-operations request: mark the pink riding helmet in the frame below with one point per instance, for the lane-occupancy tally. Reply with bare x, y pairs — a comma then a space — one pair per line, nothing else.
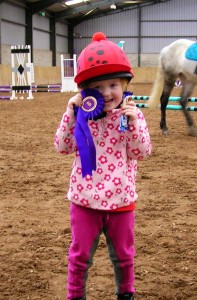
102, 59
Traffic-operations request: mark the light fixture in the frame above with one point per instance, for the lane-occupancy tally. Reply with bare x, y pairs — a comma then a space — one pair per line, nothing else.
73, 2
42, 13
134, 2
113, 6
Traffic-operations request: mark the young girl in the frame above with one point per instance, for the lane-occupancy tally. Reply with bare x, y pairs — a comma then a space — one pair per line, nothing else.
102, 190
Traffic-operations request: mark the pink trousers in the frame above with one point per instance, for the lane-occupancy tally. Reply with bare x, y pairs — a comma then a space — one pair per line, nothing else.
87, 226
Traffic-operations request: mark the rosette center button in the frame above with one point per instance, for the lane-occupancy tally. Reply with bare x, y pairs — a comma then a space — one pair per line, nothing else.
89, 103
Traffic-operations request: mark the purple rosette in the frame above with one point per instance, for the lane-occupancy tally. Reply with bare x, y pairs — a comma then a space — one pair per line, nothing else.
92, 107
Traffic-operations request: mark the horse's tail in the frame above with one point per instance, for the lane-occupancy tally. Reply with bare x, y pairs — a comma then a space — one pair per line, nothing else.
157, 89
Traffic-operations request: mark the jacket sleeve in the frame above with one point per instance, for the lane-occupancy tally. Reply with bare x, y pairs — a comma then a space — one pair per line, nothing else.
64, 140
138, 138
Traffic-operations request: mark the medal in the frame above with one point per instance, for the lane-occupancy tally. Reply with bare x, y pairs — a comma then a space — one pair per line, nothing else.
124, 120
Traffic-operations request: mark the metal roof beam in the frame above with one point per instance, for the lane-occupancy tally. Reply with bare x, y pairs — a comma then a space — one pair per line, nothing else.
82, 8
41, 5
100, 13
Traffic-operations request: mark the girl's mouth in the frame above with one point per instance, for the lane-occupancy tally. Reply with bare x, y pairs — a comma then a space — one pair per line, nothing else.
108, 101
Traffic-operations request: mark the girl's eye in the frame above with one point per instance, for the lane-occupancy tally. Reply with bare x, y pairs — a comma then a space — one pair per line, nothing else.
96, 87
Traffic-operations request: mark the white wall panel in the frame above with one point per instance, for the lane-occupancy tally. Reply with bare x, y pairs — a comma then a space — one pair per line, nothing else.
80, 44
41, 22
61, 37
12, 34
130, 45
61, 28
41, 33
61, 44
12, 24
182, 29
120, 24
12, 13
162, 23
171, 10
41, 40
167, 22
155, 45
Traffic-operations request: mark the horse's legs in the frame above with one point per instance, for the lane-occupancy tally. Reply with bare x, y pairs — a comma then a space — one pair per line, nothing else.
168, 87
186, 92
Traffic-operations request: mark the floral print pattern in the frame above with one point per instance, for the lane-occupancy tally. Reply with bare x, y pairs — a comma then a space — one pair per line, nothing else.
112, 185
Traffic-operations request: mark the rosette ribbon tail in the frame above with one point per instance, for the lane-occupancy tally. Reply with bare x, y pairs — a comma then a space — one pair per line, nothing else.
86, 147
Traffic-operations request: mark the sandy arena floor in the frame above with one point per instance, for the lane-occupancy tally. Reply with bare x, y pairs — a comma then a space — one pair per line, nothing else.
34, 222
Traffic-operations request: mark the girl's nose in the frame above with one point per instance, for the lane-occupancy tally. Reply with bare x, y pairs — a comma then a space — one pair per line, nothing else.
106, 92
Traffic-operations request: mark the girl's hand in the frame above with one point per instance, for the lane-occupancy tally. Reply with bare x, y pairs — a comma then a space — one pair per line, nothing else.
130, 110
75, 101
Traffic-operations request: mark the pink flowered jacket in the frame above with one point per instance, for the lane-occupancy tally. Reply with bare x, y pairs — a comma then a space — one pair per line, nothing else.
112, 185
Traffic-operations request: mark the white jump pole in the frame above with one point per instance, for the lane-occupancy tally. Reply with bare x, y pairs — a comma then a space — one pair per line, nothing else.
68, 73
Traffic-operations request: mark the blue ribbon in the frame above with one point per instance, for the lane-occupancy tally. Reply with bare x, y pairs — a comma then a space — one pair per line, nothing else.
127, 93
93, 104
124, 119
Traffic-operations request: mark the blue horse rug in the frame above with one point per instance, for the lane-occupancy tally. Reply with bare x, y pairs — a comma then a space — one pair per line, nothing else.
191, 52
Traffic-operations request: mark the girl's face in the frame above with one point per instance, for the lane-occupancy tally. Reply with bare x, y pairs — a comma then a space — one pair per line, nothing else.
111, 90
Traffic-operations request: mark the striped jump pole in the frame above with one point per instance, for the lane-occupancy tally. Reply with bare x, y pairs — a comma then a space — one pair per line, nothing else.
169, 107
5, 87
49, 88
179, 107
45, 91
45, 88
34, 86
5, 97
173, 99
5, 90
